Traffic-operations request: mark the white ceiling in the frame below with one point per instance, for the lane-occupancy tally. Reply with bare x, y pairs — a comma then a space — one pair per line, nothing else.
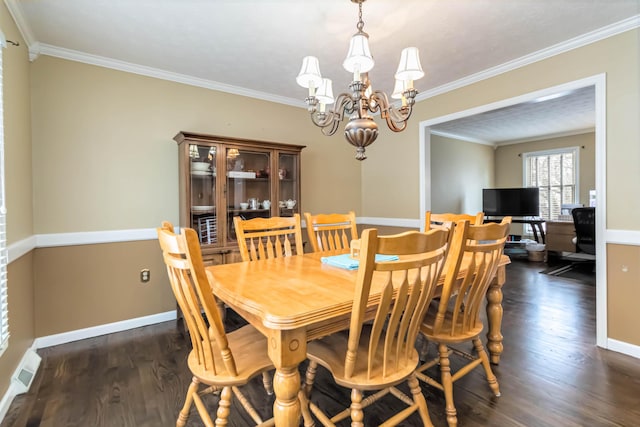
255, 47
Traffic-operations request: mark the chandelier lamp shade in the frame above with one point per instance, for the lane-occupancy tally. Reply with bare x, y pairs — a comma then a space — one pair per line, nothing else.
361, 100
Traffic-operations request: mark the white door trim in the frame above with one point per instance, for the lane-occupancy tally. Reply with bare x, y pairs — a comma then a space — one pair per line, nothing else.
599, 83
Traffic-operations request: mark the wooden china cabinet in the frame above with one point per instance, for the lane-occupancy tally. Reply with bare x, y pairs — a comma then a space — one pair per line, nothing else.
222, 177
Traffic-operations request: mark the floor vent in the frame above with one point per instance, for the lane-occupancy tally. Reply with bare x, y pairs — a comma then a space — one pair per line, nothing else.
25, 373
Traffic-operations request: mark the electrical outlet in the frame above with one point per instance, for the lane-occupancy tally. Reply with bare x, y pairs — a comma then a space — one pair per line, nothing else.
145, 275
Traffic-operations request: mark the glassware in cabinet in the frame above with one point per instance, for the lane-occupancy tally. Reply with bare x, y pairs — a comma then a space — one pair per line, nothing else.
202, 176
248, 186
288, 184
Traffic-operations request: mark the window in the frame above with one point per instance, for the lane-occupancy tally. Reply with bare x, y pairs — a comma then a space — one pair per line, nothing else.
4, 255
555, 173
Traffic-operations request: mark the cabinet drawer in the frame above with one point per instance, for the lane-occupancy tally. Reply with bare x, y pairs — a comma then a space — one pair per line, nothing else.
212, 259
232, 256
560, 236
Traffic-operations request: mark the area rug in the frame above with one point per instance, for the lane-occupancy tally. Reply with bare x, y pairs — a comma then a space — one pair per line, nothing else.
583, 272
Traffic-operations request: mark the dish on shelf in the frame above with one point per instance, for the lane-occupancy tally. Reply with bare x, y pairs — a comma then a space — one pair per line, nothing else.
202, 173
201, 166
202, 208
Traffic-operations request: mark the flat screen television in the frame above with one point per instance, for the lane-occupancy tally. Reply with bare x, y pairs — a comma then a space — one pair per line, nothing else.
511, 201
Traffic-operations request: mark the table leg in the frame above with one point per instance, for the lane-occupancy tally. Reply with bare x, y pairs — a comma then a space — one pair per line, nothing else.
494, 316
287, 349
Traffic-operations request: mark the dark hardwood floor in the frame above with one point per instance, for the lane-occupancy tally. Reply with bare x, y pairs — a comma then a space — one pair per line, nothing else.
551, 373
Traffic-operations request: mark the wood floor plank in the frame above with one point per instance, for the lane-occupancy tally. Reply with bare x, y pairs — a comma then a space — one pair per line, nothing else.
551, 373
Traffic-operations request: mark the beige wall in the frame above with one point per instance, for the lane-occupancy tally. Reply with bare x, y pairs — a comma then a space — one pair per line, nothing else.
103, 141
18, 186
90, 285
617, 56
624, 271
17, 133
459, 170
21, 316
509, 161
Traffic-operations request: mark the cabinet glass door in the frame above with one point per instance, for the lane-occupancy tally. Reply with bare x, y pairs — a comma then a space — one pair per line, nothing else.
288, 184
248, 186
202, 174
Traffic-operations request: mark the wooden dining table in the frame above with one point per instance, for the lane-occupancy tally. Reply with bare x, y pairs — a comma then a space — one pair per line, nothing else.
297, 299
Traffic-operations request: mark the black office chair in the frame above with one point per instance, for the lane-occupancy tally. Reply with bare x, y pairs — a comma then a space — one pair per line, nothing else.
584, 220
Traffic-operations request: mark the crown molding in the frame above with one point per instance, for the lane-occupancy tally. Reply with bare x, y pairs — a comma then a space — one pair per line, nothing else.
101, 61
462, 138
574, 43
21, 23
547, 136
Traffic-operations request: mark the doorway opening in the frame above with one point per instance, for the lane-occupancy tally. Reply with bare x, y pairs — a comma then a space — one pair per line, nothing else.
598, 82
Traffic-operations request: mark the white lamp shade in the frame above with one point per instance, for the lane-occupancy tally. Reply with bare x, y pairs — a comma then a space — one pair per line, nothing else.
359, 57
398, 89
324, 94
409, 67
309, 75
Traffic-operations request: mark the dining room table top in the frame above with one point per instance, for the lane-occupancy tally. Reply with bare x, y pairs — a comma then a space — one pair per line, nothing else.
291, 292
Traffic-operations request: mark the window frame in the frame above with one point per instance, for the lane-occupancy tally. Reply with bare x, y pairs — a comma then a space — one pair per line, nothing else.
575, 150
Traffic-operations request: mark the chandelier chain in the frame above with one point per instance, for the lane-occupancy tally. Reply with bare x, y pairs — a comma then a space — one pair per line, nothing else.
360, 24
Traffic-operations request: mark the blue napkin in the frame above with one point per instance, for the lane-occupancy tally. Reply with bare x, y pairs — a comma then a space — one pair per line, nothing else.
345, 261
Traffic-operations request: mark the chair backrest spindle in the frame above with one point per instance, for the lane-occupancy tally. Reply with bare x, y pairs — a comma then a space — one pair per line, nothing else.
265, 238
331, 232
479, 248
408, 286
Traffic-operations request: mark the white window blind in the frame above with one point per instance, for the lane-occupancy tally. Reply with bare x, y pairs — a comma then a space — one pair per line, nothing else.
4, 255
555, 173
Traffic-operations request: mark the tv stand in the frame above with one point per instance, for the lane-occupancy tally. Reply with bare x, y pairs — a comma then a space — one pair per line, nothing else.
534, 221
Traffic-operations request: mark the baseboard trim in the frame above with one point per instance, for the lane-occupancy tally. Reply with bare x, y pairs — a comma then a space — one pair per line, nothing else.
7, 399
95, 331
624, 348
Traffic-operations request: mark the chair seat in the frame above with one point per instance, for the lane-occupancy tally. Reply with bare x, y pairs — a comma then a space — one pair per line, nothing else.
330, 352
248, 346
444, 335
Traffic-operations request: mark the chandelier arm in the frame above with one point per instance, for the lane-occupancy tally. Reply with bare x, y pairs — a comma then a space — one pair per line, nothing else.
330, 120
396, 118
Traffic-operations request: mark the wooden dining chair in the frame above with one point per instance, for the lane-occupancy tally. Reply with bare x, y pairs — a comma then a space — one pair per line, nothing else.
378, 352
331, 232
475, 251
262, 238
218, 361
431, 218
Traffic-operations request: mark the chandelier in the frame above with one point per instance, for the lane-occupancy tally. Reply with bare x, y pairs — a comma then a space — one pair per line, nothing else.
361, 130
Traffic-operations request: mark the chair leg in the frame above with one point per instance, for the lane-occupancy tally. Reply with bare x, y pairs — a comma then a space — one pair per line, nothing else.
304, 408
491, 378
184, 412
419, 399
267, 382
357, 413
447, 385
310, 377
223, 407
